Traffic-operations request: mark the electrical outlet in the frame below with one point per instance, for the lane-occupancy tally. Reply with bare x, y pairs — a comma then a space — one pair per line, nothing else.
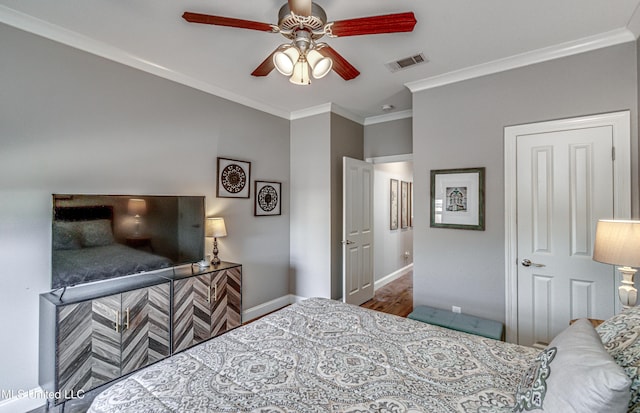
456, 309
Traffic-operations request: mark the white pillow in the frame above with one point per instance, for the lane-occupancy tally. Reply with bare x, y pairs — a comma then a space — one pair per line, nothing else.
574, 374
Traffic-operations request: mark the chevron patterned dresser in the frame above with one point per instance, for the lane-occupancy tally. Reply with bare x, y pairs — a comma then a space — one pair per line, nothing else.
99, 332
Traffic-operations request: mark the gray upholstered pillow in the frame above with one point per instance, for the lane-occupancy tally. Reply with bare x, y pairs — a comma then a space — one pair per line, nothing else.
66, 235
621, 338
96, 233
574, 374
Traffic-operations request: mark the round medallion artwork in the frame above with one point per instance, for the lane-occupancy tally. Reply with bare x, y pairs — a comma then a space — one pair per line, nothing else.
233, 178
267, 198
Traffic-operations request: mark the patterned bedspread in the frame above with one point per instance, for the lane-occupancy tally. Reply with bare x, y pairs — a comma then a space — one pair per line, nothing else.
326, 356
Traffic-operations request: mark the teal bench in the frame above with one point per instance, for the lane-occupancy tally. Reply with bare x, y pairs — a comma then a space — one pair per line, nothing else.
460, 322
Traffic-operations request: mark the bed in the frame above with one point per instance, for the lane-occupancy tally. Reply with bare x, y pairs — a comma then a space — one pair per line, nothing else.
326, 356
84, 248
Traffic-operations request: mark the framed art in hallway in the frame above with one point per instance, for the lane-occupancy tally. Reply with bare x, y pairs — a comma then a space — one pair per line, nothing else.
457, 198
404, 204
268, 198
233, 178
393, 204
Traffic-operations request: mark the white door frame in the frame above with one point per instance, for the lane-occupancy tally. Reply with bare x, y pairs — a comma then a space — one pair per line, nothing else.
620, 122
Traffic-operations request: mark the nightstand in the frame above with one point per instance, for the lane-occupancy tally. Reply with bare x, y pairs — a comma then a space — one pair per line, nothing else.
140, 241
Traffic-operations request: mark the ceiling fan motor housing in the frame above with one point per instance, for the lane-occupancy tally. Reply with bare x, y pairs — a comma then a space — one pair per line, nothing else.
289, 23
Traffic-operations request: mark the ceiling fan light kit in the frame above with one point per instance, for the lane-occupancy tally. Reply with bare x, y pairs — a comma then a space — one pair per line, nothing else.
284, 60
303, 22
320, 65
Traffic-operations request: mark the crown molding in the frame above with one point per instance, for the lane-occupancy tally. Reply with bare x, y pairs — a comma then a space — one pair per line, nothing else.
326, 108
76, 40
634, 22
339, 110
311, 111
585, 44
388, 117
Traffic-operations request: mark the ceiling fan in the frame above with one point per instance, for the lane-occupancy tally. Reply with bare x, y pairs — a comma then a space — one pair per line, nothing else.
303, 23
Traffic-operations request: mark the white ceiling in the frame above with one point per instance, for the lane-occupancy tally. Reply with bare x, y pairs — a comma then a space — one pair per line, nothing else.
461, 39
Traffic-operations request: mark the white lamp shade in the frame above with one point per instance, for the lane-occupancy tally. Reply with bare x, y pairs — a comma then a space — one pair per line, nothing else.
215, 228
618, 243
300, 74
320, 65
284, 60
137, 207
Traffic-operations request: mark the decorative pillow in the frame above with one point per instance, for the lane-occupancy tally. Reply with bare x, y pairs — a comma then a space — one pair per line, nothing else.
621, 338
574, 374
96, 233
66, 235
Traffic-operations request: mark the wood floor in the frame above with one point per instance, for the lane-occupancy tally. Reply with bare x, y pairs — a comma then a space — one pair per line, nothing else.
395, 297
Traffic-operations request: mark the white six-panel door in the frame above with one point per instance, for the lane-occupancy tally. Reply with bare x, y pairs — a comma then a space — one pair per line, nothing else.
565, 183
357, 232
565, 179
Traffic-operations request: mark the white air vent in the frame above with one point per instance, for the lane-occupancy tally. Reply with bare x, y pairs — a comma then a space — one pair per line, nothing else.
406, 62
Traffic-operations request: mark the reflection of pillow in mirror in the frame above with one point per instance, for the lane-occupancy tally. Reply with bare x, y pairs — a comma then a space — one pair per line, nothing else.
66, 235
96, 233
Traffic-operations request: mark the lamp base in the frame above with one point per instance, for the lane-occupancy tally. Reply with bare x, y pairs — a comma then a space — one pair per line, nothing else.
627, 293
215, 260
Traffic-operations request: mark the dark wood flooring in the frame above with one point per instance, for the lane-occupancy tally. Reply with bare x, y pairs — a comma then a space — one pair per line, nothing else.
395, 297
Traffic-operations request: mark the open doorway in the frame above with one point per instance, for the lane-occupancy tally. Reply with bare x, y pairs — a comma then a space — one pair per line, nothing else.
393, 244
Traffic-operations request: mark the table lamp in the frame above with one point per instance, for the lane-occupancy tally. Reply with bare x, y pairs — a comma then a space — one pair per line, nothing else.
618, 243
215, 229
137, 207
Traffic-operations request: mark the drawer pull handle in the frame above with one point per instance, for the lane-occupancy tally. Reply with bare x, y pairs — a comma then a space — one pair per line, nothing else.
117, 321
127, 323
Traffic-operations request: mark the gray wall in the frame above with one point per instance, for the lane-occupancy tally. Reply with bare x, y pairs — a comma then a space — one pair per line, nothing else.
310, 258
388, 138
461, 125
318, 144
346, 140
71, 122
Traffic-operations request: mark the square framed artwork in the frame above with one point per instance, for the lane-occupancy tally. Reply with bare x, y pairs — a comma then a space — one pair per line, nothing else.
393, 204
233, 178
268, 198
457, 198
404, 204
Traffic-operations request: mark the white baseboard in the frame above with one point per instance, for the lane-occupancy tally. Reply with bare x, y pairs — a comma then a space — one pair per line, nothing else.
23, 400
393, 276
268, 307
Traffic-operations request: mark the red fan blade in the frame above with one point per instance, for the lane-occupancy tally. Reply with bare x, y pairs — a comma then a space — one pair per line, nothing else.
300, 7
388, 23
226, 21
340, 64
265, 67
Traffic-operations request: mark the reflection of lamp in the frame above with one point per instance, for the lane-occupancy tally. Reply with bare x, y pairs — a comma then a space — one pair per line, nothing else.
137, 207
215, 229
618, 243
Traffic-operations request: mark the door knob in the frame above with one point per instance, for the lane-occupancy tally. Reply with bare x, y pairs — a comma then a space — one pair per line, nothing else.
347, 242
527, 263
